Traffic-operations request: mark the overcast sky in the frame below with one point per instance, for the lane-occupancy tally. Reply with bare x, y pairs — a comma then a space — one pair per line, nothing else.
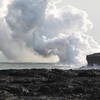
92, 7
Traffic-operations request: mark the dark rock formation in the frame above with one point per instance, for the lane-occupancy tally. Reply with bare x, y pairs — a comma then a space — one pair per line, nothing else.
43, 84
93, 59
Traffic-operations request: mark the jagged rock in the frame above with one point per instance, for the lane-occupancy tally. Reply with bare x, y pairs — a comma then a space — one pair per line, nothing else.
93, 59
69, 84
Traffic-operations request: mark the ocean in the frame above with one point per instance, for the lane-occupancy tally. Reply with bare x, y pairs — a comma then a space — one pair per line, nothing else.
25, 65
5, 66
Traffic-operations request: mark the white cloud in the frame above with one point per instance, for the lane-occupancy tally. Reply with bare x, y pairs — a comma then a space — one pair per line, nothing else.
34, 30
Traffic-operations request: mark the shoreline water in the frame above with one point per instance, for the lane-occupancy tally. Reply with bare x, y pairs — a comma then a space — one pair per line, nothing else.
7, 66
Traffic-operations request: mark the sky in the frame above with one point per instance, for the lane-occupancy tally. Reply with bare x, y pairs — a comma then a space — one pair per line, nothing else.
92, 7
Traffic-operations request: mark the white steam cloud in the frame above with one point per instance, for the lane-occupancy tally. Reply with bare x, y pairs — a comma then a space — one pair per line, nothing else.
38, 27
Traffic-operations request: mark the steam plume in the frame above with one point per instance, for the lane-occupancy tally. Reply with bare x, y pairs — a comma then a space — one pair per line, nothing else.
39, 27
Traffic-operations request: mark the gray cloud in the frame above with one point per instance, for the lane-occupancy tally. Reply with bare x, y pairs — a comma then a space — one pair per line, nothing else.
40, 27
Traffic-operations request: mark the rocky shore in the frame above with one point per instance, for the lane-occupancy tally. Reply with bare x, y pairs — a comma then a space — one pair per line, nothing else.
43, 84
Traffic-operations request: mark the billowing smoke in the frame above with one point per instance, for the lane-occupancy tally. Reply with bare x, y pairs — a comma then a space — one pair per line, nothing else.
40, 28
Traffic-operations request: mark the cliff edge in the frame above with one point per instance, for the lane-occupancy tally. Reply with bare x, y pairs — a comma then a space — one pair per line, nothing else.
93, 59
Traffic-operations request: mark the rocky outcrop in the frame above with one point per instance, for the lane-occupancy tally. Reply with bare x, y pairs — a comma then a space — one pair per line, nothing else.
93, 59
43, 84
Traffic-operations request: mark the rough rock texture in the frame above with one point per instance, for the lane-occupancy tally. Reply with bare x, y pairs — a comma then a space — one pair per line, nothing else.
93, 59
43, 84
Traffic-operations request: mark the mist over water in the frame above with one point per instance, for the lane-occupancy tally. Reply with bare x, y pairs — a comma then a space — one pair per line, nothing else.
39, 29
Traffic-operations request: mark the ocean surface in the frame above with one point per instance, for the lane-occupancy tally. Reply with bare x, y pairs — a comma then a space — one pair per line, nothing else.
5, 66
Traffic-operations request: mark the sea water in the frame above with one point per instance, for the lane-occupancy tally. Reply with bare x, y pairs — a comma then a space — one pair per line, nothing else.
26, 65
5, 66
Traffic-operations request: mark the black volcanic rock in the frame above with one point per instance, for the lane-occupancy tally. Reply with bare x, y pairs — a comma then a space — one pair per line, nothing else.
93, 59
55, 84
